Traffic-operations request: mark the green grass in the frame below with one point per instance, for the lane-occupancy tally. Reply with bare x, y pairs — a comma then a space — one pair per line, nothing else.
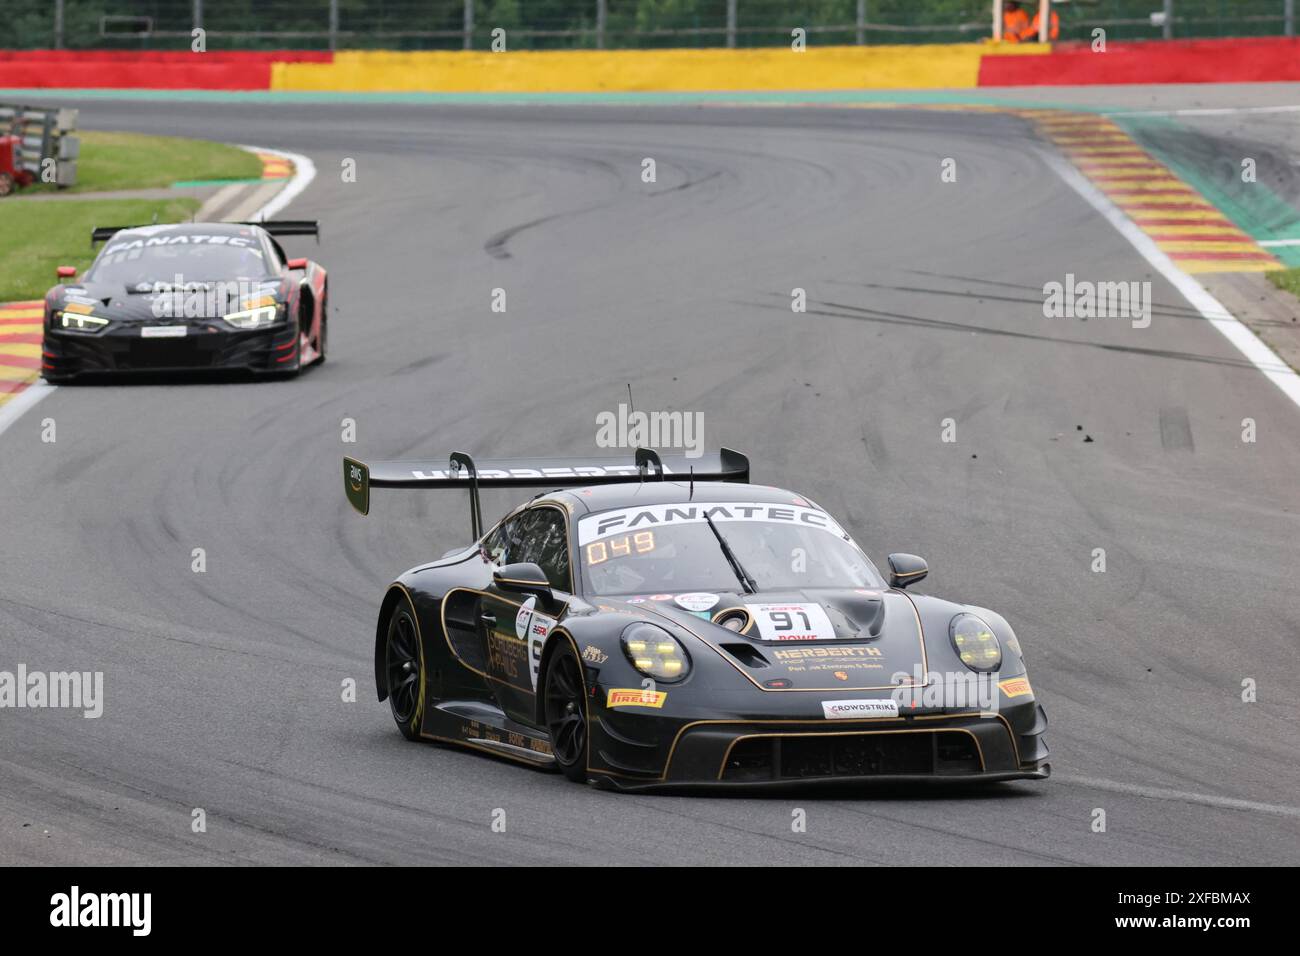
1288, 280
39, 236
112, 161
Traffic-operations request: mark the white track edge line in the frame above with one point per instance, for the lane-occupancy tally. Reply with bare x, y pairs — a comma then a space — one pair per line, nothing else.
1210, 308
1203, 111
1159, 793
13, 409
304, 172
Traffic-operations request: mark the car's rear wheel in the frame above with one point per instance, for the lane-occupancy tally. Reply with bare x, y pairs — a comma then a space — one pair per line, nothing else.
564, 702
404, 667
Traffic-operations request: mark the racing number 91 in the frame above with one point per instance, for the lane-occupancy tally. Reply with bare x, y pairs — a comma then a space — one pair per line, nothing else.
783, 621
620, 547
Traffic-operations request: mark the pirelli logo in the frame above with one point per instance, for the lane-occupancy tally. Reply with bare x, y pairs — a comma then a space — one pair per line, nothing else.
635, 697
1015, 687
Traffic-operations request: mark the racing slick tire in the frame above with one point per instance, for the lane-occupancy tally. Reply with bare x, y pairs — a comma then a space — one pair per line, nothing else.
564, 707
404, 669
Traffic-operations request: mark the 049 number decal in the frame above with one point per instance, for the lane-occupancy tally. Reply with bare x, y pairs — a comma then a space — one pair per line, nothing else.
600, 551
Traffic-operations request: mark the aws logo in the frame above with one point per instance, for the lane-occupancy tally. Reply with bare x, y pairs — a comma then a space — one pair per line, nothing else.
356, 484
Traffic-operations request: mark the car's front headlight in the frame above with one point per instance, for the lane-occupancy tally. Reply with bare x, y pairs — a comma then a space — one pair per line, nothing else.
975, 643
253, 318
655, 652
80, 322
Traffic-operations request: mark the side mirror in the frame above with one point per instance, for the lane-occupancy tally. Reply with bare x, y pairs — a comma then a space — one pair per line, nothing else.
66, 272
905, 569
297, 263
524, 578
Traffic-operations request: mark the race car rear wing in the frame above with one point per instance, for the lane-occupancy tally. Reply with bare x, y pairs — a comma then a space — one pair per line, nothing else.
461, 471
276, 227
289, 227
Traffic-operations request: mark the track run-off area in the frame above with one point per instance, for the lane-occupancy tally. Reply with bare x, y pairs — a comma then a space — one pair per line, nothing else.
224, 690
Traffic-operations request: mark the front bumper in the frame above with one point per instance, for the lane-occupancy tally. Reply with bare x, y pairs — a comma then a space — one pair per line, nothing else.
67, 355
781, 753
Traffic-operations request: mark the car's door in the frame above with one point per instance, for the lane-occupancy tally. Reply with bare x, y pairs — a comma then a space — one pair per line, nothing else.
492, 611
515, 626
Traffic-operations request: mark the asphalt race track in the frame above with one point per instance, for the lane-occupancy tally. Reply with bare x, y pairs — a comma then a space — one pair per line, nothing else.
223, 689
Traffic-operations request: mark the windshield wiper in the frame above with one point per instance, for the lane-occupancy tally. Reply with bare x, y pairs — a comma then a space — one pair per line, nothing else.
742, 576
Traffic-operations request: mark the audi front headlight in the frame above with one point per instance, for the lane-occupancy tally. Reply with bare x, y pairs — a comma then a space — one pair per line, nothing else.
655, 653
975, 643
258, 318
80, 322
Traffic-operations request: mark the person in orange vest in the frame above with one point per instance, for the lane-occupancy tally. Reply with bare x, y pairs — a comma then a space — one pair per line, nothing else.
1030, 33
1014, 21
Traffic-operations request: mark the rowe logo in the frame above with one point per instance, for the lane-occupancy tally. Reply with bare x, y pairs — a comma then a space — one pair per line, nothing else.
103, 909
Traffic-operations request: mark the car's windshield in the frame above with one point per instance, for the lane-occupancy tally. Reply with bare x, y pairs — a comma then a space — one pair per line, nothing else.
195, 258
671, 549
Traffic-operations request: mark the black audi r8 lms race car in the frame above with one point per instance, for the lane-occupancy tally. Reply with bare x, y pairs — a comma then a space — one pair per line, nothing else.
660, 622
193, 296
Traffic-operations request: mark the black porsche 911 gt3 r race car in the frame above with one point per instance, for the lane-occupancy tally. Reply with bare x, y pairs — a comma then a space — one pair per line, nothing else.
186, 297
652, 627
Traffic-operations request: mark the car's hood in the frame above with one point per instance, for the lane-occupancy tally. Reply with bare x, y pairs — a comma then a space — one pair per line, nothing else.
823, 639
147, 302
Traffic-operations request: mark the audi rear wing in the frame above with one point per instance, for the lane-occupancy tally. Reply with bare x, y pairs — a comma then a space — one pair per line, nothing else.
461, 471
276, 227
289, 227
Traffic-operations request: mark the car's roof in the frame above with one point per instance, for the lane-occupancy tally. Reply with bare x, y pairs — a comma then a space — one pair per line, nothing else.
622, 495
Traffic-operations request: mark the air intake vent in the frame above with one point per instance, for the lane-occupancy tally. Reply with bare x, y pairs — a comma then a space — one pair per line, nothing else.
747, 654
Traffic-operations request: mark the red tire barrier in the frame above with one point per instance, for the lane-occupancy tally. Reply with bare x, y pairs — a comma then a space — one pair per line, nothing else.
1251, 60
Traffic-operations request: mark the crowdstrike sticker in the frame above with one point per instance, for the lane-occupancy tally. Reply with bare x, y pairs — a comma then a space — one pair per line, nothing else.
858, 709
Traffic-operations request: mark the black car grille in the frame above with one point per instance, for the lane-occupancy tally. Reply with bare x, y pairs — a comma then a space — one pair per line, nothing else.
167, 353
201, 349
809, 756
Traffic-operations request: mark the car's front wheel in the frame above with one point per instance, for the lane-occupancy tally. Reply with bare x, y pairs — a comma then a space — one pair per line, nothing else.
566, 712
404, 667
